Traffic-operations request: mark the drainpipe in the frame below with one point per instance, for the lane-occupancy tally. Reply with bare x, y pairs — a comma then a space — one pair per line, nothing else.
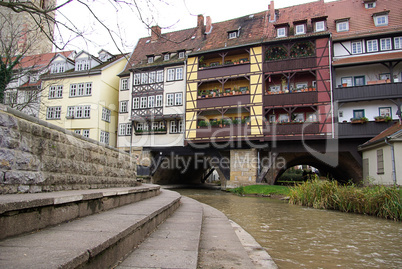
331, 88
392, 160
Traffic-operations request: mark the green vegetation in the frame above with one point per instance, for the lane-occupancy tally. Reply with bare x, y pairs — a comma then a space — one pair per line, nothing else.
261, 190
380, 201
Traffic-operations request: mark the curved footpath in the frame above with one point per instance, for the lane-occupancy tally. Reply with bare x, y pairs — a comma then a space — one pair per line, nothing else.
137, 227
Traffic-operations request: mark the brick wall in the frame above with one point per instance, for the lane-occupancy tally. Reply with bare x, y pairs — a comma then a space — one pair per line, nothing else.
36, 156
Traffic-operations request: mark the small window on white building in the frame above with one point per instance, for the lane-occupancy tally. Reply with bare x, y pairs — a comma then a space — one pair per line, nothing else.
124, 84
106, 114
123, 106
166, 57
159, 76
150, 59
372, 45
357, 47
398, 42
385, 44
182, 54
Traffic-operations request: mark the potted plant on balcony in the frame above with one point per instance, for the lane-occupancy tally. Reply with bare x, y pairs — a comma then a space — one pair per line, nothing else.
202, 124
228, 62
359, 120
382, 119
207, 93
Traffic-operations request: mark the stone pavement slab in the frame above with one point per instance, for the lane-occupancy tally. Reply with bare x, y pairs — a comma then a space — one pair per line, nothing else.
174, 244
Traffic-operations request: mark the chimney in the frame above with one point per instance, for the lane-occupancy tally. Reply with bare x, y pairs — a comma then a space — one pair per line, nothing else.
208, 27
200, 26
155, 33
271, 10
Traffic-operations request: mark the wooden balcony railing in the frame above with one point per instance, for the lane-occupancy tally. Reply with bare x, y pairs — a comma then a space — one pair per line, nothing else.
292, 129
368, 92
225, 70
368, 129
231, 100
225, 131
291, 98
290, 64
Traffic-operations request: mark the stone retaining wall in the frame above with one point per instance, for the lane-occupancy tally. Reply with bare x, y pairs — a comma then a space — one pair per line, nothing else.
36, 156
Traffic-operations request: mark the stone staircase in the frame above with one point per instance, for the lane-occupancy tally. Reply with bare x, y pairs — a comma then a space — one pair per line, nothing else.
138, 227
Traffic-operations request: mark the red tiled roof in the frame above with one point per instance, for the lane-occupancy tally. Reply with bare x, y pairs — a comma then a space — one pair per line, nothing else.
360, 19
387, 132
40, 60
375, 58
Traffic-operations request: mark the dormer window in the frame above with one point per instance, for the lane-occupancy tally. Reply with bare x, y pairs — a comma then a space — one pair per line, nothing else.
281, 32
82, 65
380, 19
182, 54
300, 29
150, 59
320, 26
232, 34
342, 26
57, 68
369, 5
166, 57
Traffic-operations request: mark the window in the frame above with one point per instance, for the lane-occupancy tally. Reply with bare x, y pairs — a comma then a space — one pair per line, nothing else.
82, 65
123, 106
150, 59
381, 20
369, 5
140, 126
124, 84
181, 54
281, 32
166, 57
53, 113
143, 103
144, 78
232, 35
356, 47
137, 79
298, 117
77, 132
178, 99
171, 74
170, 99
398, 42
173, 127
283, 118
179, 73
320, 26
347, 82
56, 92
159, 101
380, 161
342, 26
300, 29
85, 133
180, 126
57, 68
78, 112
359, 80
311, 117
372, 45
104, 137
106, 114
136, 103
358, 113
125, 129
10, 97
159, 76
385, 76
151, 101
78, 89
385, 111
152, 76
385, 43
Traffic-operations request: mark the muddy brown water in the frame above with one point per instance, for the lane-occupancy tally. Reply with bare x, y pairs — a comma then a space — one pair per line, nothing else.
301, 237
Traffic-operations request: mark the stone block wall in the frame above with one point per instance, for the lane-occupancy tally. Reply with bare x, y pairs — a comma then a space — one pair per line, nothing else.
36, 156
243, 167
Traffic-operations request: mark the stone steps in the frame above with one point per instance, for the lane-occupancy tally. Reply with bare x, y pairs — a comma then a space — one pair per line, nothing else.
22, 213
95, 241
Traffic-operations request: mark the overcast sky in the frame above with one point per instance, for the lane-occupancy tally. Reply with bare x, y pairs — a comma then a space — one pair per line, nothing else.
171, 15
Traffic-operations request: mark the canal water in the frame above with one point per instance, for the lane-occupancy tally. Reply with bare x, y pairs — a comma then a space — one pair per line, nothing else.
300, 237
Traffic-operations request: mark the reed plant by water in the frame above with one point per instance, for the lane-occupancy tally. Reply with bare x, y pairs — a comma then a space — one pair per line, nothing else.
380, 201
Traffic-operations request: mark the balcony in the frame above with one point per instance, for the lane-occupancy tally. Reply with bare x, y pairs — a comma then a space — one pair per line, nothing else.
291, 98
368, 92
232, 100
365, 130
225, 70
290, 64
292, 128
225, 131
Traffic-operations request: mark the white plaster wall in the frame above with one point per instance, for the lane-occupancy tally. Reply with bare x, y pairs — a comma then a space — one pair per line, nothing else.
174, 87
371, 109
158, 140
386, 177
124, 141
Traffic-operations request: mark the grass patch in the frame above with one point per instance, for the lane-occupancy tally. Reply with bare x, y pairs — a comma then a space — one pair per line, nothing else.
261, 190
380, 201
